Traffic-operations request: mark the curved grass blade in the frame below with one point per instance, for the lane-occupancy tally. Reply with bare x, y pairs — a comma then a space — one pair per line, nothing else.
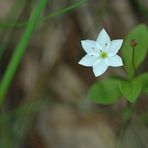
45, 18
20, 49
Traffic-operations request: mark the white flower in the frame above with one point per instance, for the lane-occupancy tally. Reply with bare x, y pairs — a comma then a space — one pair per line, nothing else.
101, 53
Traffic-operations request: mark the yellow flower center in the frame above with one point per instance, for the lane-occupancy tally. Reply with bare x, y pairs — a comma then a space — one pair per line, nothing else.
103, 55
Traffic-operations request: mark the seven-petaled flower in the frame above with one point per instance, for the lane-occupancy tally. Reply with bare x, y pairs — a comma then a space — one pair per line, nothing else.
101, 53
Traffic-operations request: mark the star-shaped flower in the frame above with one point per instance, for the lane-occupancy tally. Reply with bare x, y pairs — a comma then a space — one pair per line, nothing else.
101, 53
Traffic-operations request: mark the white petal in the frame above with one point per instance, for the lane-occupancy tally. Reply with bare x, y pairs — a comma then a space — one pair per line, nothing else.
103, 39
88, 60
115, 61
106, 61
115, 46
90, 47
99, 68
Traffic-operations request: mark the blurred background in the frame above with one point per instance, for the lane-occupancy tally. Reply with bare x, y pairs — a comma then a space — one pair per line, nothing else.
47, 104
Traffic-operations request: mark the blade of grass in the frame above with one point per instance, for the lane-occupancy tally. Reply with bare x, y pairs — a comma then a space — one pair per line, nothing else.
64, 10
20, 49
45, 18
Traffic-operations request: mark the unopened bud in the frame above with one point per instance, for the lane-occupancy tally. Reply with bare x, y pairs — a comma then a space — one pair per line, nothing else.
133, 43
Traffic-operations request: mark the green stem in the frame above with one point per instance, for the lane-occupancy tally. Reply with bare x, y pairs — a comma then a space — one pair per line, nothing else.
20, 49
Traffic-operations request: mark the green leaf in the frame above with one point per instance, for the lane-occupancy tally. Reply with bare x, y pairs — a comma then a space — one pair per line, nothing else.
105, 92
140, 35
131, 89
144, 81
